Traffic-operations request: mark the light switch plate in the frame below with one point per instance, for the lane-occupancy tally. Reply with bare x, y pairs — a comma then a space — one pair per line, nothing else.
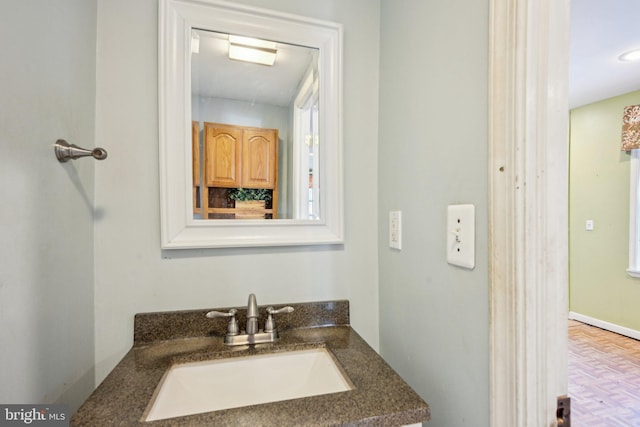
395, 230
461, 235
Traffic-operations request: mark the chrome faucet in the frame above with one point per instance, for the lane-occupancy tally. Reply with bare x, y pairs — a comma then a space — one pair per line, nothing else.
252, 334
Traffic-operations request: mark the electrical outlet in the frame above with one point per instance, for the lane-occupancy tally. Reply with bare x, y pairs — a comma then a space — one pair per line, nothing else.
461, 239
395, 229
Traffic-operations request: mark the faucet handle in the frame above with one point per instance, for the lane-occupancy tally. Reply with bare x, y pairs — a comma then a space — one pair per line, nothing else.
270, 324
232, 327
212, 314
287, 309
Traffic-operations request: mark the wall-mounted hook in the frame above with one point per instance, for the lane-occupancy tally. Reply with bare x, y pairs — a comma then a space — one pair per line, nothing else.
65, 151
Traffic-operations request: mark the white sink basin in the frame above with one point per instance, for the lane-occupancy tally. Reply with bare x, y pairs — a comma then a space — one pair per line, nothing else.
212, 385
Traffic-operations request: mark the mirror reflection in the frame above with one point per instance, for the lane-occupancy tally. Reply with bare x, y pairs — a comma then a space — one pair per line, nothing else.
255, 142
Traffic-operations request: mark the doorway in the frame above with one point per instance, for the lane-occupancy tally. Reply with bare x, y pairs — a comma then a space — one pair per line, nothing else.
528, 209
600, 87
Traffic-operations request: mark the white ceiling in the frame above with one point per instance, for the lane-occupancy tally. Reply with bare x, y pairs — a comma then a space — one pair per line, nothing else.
601, 30
213, 74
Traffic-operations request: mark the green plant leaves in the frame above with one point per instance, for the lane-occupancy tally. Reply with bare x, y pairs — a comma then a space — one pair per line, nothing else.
243, 194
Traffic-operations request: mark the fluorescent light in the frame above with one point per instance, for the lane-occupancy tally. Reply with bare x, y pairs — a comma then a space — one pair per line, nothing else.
252, 50
249, 54
632, 55
251, 42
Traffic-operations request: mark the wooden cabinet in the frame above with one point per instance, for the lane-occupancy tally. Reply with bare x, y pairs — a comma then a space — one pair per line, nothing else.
259, 158
234, 157
222, 151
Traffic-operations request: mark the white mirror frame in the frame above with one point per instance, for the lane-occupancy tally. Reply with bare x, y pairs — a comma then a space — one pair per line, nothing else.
179, 230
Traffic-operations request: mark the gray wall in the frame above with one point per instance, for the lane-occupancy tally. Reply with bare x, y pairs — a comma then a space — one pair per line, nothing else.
47, 87
434, 326
429, 133
133, 275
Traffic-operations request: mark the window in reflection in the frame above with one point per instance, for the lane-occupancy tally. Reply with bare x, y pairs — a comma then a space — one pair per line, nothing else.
307, 155
255, 128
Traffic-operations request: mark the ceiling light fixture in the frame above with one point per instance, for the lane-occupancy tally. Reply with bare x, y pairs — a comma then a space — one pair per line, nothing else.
252, 50
632, 55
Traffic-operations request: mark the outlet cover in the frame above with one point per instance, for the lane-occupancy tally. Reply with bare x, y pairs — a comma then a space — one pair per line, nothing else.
461, 235
395, 230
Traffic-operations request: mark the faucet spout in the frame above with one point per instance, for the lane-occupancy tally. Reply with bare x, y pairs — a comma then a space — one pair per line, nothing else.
252, 315
252, 334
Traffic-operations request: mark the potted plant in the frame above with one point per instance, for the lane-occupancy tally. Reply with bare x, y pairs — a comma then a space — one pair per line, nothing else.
250, 202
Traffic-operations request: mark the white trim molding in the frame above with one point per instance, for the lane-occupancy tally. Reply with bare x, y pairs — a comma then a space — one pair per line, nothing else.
179, 228
634, 232
528, 203
607, 326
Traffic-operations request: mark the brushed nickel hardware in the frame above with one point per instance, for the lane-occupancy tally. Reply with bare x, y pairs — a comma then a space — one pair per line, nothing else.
65, 151
252, 334
270, 323
232, 327
252, 315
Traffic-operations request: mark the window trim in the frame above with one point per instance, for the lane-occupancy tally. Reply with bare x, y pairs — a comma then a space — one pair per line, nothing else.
634, 222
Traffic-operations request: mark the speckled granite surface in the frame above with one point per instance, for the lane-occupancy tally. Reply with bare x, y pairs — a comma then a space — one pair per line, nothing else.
380, 396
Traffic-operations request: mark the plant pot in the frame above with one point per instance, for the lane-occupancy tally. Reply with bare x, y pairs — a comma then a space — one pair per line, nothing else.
250, 209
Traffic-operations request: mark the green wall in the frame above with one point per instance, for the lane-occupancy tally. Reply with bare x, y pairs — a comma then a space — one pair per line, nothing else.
599, 286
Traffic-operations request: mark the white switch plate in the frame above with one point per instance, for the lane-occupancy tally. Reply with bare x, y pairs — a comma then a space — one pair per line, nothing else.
395, 229
461, 235
589, 225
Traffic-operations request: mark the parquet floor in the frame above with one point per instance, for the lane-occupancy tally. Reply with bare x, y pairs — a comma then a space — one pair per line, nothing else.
604, 378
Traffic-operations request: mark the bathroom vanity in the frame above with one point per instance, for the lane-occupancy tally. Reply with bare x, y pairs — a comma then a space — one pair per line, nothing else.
375, 395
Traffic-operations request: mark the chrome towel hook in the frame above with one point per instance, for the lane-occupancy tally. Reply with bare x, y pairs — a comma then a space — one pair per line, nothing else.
65, 151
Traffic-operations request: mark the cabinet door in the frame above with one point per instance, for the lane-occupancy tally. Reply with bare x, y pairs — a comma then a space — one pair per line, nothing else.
260, 158
222, 155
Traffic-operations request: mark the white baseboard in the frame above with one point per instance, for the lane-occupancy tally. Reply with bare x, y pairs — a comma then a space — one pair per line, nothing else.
627, 332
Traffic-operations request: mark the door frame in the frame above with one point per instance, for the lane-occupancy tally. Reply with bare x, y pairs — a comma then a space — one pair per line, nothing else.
528, 209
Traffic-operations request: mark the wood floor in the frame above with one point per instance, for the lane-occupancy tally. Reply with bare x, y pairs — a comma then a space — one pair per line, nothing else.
604, 378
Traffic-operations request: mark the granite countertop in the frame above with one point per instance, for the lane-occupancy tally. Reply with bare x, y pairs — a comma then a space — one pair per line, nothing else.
379, 398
